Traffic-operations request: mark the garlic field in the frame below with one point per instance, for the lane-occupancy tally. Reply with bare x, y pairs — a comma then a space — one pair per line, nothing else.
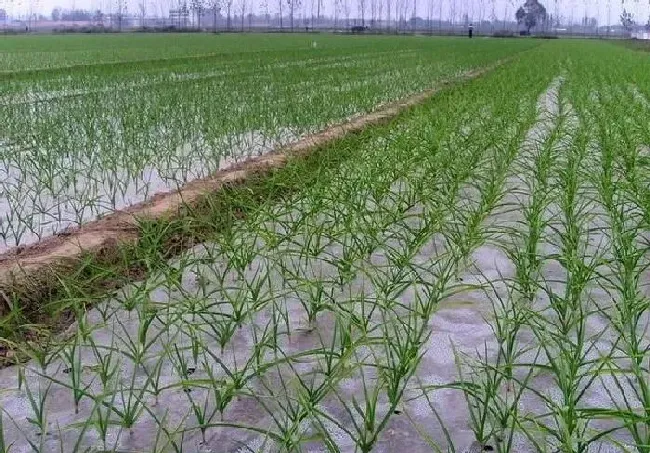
469, 276
87, 132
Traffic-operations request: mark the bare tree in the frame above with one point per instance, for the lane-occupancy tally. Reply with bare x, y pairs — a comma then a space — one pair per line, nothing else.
264, 5
228, 14
164, 8
197, 7
34, 5
243, 4
380, 11
337, 10
388, 3
452, 12
401, 7
361, 5
493, 15
293, 5
182, 13
505, 13
311, 13
306, 15
120, 12
415, 13
215, 8
142, 8
398, 14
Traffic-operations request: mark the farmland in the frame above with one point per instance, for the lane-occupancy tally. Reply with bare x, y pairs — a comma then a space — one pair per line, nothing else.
86, 132
470, 275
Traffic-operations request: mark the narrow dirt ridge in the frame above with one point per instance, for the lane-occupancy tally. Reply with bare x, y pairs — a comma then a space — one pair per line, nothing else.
28, 266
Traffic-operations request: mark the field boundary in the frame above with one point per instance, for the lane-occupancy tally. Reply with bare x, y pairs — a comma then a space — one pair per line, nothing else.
29, 273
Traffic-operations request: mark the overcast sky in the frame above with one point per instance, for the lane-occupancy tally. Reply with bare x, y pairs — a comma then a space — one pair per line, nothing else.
605, 11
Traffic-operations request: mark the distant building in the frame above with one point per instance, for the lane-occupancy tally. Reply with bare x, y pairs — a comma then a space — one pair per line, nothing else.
179, 17
118, 21
641, 34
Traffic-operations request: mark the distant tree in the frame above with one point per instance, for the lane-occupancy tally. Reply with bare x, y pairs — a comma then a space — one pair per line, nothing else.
76, 15
361, 4
293, 5
120, 12
98, 17
627, 19
520, 15
319, 5
183, 14
243, 4
647, 25
215, 8
197, 7
228, 11
388, 11
264, 6
56, 14
142, 8
530, 14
